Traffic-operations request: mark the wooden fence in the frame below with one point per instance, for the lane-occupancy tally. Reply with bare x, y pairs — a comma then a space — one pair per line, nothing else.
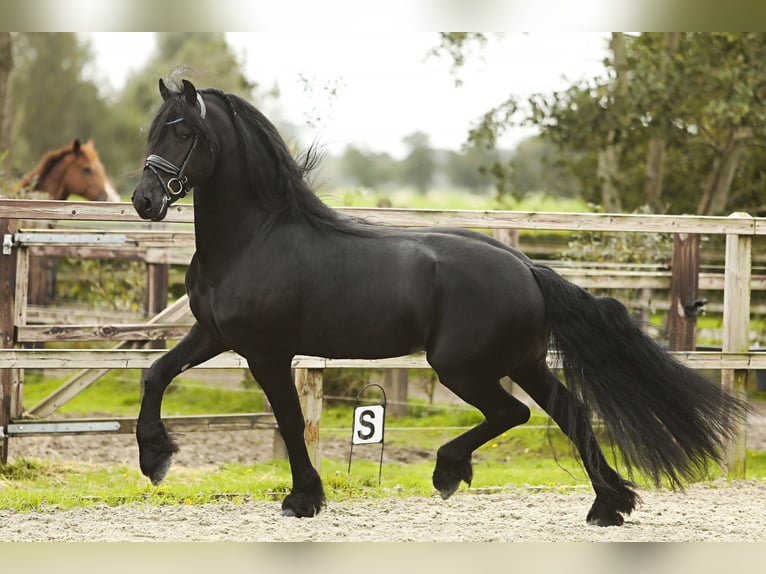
172, 242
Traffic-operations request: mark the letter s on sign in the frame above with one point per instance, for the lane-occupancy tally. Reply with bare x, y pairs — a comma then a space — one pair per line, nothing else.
368, 424
366, 420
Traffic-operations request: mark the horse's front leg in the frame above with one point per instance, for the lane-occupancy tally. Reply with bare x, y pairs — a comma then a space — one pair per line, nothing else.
155, 446
307, 495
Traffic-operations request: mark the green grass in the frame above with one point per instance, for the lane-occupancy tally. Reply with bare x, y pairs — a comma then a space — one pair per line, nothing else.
517, 458
36, 485
118, 394
39, 485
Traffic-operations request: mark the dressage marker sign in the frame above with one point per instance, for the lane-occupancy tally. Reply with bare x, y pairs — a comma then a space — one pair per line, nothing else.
369, 426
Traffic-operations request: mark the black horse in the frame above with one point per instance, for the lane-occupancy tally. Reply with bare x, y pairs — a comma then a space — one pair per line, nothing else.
277, 273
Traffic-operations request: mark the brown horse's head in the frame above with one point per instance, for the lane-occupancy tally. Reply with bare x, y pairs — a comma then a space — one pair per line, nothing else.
75, 169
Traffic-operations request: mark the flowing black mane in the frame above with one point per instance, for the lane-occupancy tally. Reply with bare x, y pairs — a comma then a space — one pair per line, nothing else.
276, 180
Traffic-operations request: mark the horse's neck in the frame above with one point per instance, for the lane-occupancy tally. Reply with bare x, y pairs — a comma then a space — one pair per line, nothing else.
52, 182
223, 224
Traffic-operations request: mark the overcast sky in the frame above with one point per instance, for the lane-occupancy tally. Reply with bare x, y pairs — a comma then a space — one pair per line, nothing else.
384, 85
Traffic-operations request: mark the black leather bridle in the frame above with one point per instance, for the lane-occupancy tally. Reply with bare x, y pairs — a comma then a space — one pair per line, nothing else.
178, 184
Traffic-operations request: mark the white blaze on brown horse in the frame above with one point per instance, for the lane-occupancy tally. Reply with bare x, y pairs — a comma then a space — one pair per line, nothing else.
73, 169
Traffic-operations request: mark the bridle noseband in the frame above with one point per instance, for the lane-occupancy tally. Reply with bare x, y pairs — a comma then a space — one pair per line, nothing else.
178, 184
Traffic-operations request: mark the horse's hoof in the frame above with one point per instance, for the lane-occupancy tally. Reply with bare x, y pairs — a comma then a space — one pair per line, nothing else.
616, 520
448, 475
304, 504
446, 492
159, 474
601, 517
609, 510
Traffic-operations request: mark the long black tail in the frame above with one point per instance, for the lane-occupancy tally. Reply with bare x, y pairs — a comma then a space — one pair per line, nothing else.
665, 418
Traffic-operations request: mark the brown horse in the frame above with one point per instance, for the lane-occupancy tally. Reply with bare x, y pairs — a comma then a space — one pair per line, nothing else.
73, 169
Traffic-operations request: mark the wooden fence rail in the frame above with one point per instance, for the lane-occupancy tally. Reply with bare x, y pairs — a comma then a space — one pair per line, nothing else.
172, 242
143, 358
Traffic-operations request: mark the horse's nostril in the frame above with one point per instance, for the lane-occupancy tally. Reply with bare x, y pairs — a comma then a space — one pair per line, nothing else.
143, 205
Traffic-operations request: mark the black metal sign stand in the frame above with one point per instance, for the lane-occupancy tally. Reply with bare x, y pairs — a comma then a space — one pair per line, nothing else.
368, 426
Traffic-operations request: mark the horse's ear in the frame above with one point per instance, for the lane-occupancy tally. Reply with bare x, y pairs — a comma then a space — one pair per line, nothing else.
76, 146
190, 92
164, 92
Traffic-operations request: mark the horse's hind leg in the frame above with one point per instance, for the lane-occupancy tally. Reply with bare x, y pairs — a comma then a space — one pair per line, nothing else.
501, 412
155, 447
306, 497
614, 496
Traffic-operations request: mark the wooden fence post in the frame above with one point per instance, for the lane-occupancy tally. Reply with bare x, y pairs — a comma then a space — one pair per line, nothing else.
309, 385
157, 284
7, 338
155, 298
508, 236
395, 384
684, 292
736, 323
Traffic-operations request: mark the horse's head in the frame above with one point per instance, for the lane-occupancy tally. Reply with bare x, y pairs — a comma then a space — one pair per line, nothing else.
73, 169
179, 152
86, 175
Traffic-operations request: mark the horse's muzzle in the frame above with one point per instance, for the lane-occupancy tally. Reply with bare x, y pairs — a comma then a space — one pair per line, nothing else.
148, 205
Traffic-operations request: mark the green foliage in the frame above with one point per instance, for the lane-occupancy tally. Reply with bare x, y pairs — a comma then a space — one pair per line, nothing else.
345, 383
51, 103
106, 284
368, 169
22, 469
6, 186
697, 94
624, 248
470, 168
419, 166
456, 46
339, 386
539, 166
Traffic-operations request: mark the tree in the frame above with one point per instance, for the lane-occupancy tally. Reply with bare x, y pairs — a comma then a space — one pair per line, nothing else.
470, 168
368, 169
655, 160
691, 100
202, 56
539, 166
607, 167
51, 104
419, 165
6, 65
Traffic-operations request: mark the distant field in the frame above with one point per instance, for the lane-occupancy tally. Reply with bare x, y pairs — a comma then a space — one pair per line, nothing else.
445, 199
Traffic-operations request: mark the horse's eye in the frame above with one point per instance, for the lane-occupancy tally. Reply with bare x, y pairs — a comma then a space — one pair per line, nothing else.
183, 135
87, 170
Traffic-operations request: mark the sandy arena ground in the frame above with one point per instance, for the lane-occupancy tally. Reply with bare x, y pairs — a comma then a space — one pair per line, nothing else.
722, 511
